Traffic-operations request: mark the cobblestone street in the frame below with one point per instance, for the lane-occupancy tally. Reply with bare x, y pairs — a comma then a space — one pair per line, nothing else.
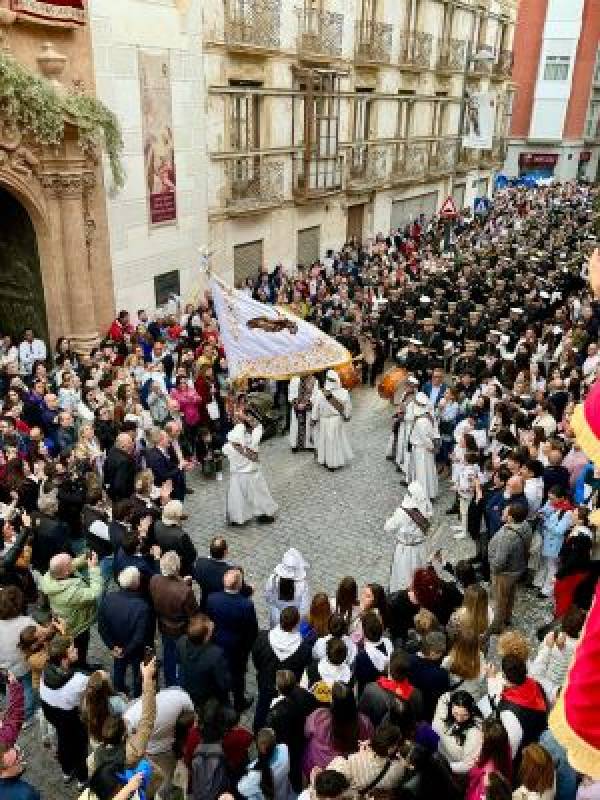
335, 520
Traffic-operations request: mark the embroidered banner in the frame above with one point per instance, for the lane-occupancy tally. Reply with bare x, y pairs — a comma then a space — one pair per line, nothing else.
157, 132
263, 341
52, 12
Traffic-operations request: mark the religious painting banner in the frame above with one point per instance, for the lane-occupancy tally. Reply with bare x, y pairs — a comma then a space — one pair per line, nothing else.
263, 341
52, 12
480, 116
157, 136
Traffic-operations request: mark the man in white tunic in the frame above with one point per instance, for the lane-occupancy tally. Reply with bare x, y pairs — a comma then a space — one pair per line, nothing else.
248, 495
423, 440
410, 522
300, 396
403, 419
331, 407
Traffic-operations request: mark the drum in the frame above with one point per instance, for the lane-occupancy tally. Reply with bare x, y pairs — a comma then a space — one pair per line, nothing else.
348, 376
390, 382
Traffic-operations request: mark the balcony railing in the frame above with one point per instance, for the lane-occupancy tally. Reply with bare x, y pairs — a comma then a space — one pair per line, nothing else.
253, 183
316, 176
320, 34
253, 24
499, 150
415, 49
503, 66
468, 158
411, 161
367, 167
451, 55
442, 156
373, 43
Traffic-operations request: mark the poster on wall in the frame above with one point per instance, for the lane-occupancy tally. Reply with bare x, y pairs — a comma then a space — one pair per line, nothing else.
480, 115
51, 12
157, 136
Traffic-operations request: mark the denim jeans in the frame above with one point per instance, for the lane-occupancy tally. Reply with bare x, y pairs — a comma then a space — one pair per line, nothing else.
169, 645
120, 673
30, 700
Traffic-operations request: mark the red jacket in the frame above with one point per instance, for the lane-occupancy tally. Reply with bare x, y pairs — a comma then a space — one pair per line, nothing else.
12, 719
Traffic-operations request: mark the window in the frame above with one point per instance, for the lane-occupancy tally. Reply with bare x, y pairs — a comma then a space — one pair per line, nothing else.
164, 286
592, 125
597, 68
245, 117
556, 68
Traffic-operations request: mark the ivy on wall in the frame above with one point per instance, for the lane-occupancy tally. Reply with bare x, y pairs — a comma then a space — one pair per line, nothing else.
40, 110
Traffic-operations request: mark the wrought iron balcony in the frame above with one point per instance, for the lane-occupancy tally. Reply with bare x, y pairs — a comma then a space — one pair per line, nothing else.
367, 167
451, 55
442, 156
503, 66
253, 24
316, 176
415, 49
253, 184
373, 42
320, 34
468, 158
410, 161
499, 150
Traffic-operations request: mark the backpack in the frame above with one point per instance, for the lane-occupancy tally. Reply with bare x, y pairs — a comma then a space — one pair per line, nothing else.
210, 774
319, 688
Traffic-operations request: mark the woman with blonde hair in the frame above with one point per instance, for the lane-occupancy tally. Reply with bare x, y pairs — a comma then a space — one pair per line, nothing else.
537, 778
466, 664
474, 613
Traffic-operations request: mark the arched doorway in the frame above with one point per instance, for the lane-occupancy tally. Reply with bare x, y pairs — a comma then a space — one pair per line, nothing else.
22, 301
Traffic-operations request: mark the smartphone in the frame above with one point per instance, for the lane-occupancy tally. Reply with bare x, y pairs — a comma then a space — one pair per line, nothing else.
149, 654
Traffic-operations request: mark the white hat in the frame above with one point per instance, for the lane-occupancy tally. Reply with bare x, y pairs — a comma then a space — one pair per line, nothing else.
416, 498
292, 566
173, 513
333, 379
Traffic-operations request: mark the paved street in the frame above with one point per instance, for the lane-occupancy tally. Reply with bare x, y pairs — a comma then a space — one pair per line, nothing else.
335, 519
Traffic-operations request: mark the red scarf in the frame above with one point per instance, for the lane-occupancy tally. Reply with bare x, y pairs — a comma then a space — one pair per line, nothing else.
563, 505
402, 689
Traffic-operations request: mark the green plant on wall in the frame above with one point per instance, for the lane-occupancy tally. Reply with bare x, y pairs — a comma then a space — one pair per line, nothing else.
39, 109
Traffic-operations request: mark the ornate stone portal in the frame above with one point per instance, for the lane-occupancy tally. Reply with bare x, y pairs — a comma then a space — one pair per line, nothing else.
61, 189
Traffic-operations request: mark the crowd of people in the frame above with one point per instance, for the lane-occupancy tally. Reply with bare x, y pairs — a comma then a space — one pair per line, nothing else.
423, 687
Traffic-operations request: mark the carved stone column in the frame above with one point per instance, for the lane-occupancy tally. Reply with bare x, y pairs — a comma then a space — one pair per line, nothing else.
70, 187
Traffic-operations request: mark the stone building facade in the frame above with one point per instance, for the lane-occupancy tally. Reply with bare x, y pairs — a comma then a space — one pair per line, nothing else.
55, 272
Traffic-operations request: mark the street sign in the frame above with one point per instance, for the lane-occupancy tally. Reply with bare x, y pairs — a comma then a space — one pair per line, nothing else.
448, 209
481, 205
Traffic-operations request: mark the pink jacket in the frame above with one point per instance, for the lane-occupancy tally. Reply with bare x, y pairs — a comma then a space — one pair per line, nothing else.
12, 719
189, 402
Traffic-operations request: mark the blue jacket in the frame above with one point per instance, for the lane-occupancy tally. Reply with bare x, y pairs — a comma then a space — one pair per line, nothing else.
125, 619
427, 390
236, 626
17, 789
494, 506
555, 525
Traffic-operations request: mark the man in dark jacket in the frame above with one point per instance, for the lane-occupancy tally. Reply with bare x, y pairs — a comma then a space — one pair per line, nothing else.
126, 626
119, 469
165, 467
236, 628
204, 670
169, 535
174, 604
280, 648
287, 716
377, 697
208, 572
51, 536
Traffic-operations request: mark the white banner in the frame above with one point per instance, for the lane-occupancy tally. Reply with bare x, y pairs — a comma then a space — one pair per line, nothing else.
480, 116
263, 341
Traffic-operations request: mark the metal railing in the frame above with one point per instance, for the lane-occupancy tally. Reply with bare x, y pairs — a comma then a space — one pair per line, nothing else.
504, 63
411, 161
415, 49
253, 23
367, 166
316, 176
451, 54
373, 42
320, 33
253, 183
